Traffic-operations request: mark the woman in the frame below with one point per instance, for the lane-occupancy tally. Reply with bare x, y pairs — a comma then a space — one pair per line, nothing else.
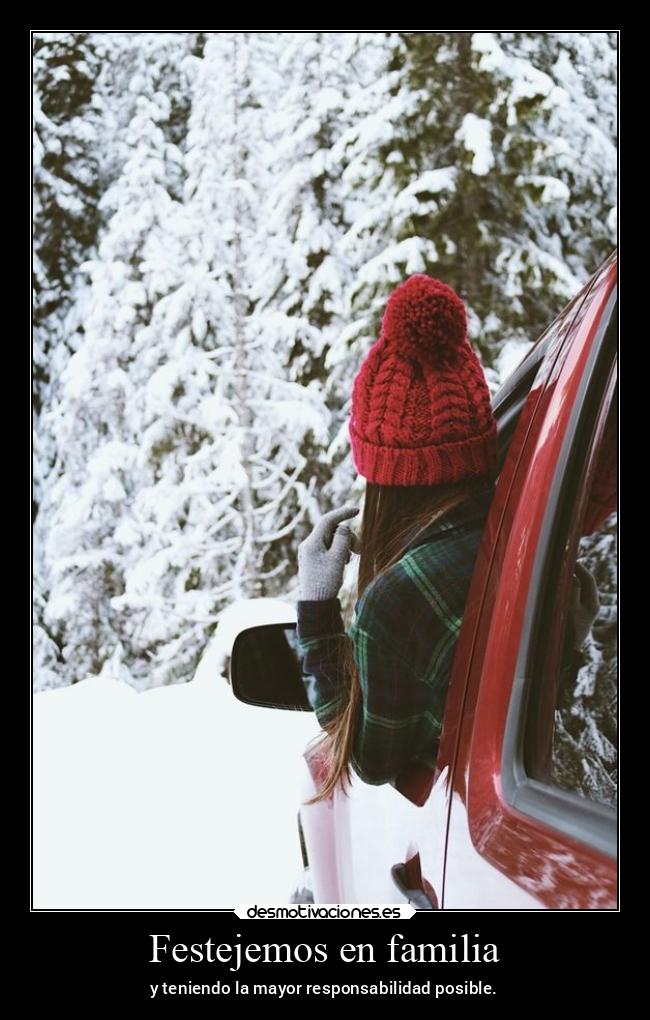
424, 437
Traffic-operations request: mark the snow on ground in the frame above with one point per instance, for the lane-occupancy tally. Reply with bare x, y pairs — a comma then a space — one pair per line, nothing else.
179, 797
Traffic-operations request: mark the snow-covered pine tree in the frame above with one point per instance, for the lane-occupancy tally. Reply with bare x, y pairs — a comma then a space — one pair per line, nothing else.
66, 124
183, 430
585, 742
91, 538
125, 57
65, 194
298, 277
275, 419
572, 188
465, 167
262, 194
461, 163
347, 71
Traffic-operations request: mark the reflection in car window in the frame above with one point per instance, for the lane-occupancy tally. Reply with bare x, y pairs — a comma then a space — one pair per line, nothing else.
571, 722
585, 737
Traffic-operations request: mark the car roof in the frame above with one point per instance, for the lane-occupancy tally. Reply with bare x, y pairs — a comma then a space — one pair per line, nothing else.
511, 396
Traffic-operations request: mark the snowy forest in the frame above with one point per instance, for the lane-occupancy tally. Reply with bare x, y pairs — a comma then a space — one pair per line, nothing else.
218, 220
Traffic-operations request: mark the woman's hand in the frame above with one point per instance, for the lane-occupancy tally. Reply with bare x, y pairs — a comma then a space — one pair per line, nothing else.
585, 604
323, 554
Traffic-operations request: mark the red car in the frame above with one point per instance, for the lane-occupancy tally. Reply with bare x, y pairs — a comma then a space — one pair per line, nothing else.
521, 811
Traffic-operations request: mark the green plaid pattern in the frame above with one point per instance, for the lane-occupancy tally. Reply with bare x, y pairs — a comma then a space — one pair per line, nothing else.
404, 637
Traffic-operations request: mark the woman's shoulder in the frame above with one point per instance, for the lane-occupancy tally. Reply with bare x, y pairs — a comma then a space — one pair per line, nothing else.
466, 518
431, 579
407, 594
385, 607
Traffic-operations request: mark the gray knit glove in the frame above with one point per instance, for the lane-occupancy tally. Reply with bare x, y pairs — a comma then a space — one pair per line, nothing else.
323, 554
585, 604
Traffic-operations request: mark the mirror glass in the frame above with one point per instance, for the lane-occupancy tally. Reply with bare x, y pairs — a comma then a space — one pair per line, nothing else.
265, 668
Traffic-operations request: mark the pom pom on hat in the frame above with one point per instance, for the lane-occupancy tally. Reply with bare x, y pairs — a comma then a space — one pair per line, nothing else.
425, 321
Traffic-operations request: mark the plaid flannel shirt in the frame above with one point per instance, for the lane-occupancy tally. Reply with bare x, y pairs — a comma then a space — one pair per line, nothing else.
404, 637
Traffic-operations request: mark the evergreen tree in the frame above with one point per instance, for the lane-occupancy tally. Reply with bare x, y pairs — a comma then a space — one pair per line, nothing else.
574, 182
219, 219
487, 159
90, 536
275, 418
466, 176
65, 215
66, 126
184, 431
298, 275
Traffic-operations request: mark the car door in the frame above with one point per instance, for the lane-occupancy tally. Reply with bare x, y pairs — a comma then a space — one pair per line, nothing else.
530, 748
365, 844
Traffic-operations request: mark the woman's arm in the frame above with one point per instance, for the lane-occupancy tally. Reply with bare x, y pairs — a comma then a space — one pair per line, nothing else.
402, 701
404, 659
404, 637
321, 636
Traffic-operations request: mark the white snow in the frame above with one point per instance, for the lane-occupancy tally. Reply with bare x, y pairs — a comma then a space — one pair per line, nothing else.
476, 134
441, 179
510, 355
175, 798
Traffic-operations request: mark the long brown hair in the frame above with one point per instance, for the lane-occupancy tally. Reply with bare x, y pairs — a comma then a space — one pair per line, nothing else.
393, 516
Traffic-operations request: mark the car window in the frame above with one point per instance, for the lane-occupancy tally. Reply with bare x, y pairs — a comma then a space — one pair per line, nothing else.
584, 755
571, 738
559, 758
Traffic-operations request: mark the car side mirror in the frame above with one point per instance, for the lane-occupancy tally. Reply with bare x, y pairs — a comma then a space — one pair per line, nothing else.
265, 668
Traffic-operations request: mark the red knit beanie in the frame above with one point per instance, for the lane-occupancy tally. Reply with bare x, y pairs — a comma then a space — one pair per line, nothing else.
421, 409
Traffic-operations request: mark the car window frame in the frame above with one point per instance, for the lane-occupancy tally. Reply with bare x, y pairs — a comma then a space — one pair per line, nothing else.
568, 813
